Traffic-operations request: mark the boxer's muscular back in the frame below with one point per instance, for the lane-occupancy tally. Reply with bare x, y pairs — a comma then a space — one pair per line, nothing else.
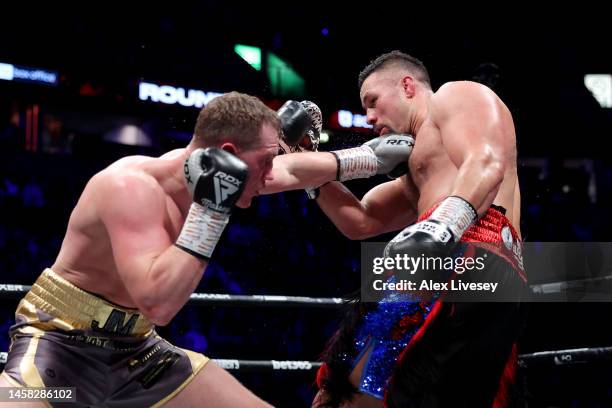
86, 256
433, 172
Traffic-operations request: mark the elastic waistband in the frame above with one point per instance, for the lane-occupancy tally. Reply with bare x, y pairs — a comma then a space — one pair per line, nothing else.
71, 308
491, 227
494, 232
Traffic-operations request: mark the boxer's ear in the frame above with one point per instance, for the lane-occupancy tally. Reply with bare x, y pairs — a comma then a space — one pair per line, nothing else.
408, 86
230, 148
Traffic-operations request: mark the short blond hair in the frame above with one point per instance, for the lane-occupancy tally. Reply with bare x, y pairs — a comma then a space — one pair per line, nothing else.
233, 117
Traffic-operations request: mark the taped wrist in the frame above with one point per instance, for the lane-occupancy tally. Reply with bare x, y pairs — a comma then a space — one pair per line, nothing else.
356, 162
201, 231
457, 214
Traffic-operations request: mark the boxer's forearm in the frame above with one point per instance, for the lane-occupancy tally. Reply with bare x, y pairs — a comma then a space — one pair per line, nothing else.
387, 207
346, 211
169, 283
297, 171
478, 181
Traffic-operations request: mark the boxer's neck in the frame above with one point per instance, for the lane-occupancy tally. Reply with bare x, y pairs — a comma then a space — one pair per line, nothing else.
419, 112
168, 170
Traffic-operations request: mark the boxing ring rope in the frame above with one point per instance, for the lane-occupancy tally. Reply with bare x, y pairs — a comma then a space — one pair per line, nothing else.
552, 358
539, 359
566, 357
217, 299
14, 291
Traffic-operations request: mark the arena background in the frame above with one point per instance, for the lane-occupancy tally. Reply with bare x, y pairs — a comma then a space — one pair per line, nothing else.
53, 137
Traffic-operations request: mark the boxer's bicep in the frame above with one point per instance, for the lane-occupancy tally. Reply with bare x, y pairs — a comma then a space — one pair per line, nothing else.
469, 121
132, 210
469, 118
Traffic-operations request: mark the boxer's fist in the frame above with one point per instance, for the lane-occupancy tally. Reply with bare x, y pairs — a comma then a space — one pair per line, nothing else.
215, 179
438, 234
392, 153
383, 155
301, 123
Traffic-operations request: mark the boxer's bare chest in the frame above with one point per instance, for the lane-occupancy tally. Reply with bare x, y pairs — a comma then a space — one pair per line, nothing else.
431, 168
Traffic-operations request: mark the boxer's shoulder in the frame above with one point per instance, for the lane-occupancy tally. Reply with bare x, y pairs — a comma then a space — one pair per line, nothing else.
452, 88
131, 163
456, 96
124, 189
127, 180
130, 171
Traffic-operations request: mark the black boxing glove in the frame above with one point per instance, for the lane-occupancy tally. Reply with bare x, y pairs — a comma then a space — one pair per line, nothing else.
438, 234
301, 123
215, 179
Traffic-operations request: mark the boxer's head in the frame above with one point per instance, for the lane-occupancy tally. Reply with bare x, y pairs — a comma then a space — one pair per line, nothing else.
244, 126
388, 88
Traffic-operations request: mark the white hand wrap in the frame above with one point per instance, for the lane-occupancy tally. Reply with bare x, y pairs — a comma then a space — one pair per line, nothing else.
357, 162
202, 230
456, 213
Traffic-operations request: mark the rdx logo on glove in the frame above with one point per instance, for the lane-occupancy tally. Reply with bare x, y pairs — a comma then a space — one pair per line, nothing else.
188, 179
225, 185
399, 142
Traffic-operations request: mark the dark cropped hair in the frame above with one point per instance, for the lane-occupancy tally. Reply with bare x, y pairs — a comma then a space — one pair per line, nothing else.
399, 59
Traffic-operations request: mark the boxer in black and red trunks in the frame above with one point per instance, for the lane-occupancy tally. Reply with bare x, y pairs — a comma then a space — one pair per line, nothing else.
463, 160
437, 352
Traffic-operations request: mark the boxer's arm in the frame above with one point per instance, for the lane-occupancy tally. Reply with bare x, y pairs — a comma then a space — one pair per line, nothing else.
158, 276
297, 171
381, 155
469, 119
387, 207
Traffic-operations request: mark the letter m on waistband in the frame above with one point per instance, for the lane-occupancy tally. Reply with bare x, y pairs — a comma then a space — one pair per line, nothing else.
115, 323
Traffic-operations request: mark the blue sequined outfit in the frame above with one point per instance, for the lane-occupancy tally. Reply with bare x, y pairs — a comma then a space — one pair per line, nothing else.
386, 331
